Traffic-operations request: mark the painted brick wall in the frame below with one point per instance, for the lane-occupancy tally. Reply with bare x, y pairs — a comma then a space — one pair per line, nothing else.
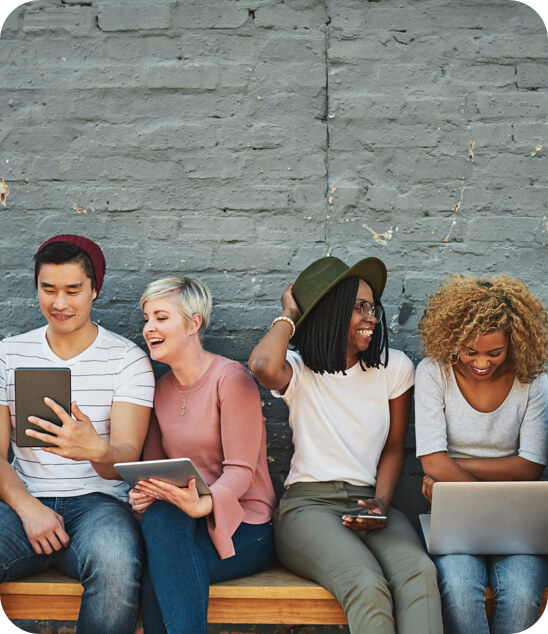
239, 140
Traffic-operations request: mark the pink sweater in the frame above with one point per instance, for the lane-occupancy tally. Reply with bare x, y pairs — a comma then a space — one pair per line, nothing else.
223, 433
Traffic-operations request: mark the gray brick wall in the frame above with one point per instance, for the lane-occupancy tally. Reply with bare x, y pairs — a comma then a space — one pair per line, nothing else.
239, 140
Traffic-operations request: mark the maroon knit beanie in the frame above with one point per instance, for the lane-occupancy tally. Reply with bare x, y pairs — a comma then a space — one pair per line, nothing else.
92, 250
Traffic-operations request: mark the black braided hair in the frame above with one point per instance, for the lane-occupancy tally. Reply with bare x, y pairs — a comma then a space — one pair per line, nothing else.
323, 336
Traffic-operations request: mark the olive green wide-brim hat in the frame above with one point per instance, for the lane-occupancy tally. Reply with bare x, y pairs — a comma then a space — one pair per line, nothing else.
321, 276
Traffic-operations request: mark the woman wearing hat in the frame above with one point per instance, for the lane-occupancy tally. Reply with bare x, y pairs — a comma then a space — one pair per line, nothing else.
349, 398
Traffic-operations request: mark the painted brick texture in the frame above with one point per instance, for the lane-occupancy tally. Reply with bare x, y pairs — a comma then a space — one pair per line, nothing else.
240, 140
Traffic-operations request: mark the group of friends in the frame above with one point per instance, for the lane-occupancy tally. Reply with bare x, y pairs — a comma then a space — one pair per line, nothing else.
481, 407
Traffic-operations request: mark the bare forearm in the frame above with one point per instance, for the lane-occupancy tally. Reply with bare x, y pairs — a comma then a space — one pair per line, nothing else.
110, 455
509, 468
129, 426
268, 356
388, 473
441, 467
12, 490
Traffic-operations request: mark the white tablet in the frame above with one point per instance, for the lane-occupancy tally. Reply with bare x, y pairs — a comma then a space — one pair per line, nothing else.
176, 471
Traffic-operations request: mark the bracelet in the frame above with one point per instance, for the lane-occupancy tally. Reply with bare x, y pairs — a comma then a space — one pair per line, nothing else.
288, 320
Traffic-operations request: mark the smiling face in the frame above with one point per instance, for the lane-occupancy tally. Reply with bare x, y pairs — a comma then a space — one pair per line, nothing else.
65, 297
166, 331
360, 330
485, 358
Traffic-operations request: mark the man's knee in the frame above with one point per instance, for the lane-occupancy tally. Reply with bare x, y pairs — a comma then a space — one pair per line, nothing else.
117, 565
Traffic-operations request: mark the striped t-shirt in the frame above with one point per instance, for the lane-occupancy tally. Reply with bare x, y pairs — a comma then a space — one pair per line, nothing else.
111, 369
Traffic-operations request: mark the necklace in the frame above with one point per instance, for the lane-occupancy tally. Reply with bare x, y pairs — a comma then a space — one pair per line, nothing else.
185, 396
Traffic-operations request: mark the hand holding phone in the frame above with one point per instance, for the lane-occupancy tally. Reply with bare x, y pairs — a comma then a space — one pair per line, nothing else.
365, 515
372, 517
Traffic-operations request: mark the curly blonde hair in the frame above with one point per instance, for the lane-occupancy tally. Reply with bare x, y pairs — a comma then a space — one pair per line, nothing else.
466, 307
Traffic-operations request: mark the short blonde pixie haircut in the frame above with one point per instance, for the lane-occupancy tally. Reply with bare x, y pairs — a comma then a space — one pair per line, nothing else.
189, 295
466, 307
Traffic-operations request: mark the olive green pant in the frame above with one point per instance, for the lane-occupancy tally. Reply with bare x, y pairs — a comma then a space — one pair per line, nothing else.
383, 579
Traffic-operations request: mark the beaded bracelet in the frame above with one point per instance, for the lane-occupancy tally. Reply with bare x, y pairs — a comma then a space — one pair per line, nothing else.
288, 320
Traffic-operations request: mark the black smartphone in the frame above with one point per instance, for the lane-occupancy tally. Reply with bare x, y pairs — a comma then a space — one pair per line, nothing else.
32, 385
365, 516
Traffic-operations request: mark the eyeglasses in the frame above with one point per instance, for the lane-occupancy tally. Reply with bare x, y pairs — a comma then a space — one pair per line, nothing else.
368, 310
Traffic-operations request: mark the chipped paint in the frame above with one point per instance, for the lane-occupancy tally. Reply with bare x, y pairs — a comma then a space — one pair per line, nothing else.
537, 149
81, 210
381, 238
392, 325
4, 191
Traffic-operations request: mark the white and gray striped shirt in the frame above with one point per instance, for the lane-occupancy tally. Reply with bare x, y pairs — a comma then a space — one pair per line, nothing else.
111, 369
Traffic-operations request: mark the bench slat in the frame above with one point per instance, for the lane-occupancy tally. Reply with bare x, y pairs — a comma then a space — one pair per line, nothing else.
275, 596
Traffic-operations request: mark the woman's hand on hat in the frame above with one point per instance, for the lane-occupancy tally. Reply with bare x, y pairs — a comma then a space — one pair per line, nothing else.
289, 305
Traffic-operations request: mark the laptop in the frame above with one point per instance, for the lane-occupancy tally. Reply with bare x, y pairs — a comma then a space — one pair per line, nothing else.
487, 518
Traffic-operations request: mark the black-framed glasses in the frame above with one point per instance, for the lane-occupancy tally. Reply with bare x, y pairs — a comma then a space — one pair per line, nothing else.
368, 310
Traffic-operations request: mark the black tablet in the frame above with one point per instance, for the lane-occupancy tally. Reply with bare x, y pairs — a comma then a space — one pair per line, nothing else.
32, 385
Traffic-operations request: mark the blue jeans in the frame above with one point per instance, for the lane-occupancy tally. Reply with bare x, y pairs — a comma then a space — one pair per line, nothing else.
517, 581
182, 562
104, 554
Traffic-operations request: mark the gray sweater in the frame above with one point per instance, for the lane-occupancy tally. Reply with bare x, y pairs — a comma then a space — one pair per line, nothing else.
445, 421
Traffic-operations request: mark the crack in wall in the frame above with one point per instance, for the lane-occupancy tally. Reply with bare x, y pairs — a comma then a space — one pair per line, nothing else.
469, 159
326, 119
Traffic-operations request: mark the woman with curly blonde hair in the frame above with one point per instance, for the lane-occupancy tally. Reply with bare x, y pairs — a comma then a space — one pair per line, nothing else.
481, 402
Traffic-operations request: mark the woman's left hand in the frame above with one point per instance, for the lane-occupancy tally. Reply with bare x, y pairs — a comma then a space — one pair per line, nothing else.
186, 498
140, 501
372, 506
427, 484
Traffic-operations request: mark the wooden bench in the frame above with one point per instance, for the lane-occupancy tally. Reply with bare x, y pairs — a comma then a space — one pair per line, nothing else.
276, 597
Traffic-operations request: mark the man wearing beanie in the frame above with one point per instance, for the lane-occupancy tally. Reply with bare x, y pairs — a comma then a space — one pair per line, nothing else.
65, 505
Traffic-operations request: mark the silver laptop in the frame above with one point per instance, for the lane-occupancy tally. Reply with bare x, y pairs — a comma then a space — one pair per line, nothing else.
487, 518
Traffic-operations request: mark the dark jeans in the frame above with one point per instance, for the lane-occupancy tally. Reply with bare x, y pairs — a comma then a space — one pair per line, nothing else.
104, 554
182, 562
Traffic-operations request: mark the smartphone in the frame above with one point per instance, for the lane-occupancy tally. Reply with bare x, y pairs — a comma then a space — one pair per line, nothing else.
365, 516
31, 386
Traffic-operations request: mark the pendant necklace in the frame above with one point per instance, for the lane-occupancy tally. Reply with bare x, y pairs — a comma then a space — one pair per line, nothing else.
185, 396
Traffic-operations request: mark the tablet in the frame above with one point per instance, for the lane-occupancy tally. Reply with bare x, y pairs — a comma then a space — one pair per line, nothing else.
176, 471
31, 386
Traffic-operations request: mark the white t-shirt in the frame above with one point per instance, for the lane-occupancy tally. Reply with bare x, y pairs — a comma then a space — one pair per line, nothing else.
340, 422
111, 369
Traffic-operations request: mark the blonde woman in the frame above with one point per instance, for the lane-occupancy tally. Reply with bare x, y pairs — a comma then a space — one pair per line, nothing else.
206, 408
